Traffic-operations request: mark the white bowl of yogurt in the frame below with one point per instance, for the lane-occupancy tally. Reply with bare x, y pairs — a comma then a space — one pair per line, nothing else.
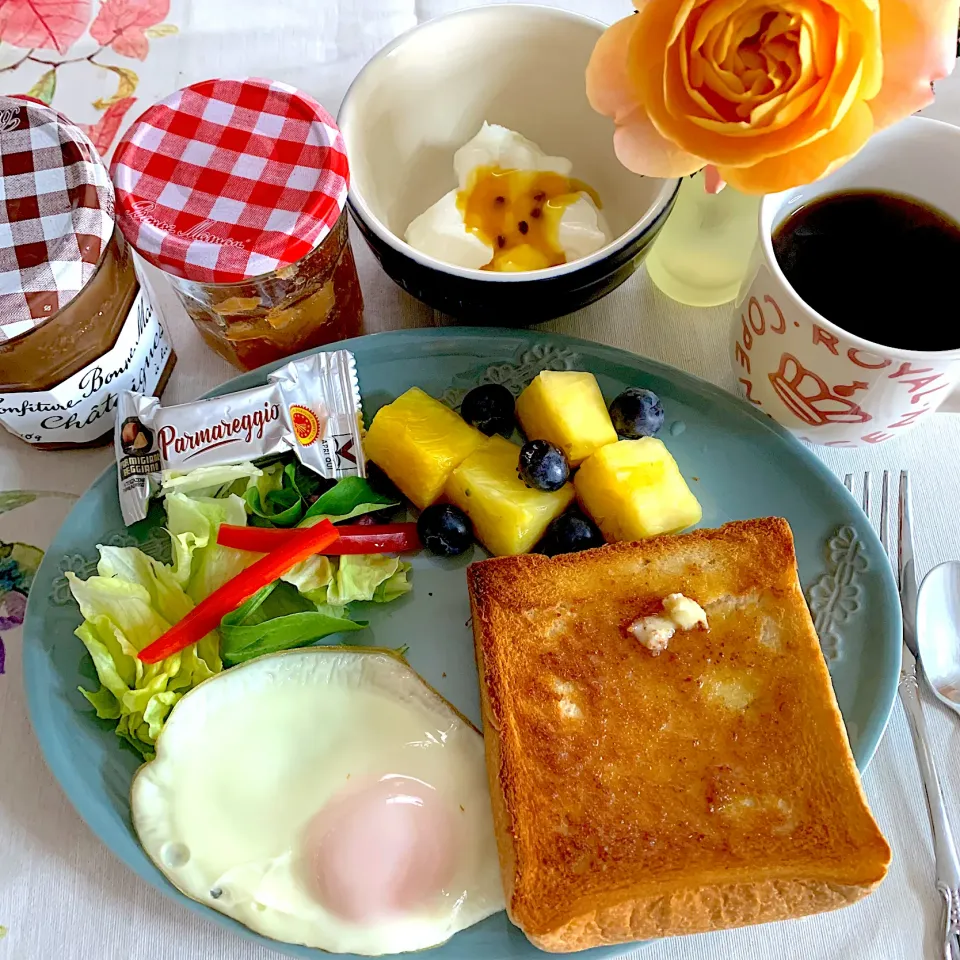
482, 179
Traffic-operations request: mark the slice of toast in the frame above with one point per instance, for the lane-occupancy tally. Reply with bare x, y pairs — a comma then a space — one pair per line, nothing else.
640, 796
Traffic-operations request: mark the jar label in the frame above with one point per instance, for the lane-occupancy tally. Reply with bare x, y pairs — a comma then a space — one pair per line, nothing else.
83, 407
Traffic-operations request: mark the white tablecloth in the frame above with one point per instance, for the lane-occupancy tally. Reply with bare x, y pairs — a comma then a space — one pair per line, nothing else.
62, 894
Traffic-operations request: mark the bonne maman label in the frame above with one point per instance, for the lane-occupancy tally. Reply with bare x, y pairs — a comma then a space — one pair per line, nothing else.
83, 407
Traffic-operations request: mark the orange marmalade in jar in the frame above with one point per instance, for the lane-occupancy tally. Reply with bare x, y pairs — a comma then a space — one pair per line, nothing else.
237, 190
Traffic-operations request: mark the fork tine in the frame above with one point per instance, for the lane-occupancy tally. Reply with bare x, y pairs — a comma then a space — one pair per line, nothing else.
905, 538
885, 512
848, 482
865, 501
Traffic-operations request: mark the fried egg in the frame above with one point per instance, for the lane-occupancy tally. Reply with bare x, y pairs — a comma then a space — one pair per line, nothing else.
325, 797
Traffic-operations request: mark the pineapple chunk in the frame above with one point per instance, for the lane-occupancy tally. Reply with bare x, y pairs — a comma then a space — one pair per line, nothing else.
634, 489
567, 408
417, 441
508, 517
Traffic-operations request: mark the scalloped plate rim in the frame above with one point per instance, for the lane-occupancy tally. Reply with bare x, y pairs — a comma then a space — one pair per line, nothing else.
434, 339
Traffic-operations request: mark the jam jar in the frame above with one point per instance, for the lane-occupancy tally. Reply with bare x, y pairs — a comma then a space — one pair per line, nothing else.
77, 322
237, 190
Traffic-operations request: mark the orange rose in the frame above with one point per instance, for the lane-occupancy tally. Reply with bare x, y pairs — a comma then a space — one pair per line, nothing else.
774, 93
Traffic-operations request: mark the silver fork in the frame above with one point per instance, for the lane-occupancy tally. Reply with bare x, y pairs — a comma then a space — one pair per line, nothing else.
904, 571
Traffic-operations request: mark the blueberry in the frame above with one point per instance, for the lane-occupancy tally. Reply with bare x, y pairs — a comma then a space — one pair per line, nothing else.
637, 413
445, 530
543, 466
489, 408
569, 533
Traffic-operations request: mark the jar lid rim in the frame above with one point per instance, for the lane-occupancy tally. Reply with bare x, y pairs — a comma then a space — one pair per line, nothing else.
226, 180
56, 213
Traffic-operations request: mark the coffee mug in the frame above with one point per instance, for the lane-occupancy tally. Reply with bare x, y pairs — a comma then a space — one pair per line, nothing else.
826, 385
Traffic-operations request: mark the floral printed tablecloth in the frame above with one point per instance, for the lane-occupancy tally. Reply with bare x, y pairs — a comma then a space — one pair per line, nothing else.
84, 57
100, 62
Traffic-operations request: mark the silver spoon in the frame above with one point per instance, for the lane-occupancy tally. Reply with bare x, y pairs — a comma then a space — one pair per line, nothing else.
938, 631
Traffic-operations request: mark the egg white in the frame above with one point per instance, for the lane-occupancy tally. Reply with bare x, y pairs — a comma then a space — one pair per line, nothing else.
441, 233
248, 758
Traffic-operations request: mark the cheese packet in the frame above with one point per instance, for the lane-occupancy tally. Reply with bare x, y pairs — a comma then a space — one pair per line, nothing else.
309, 406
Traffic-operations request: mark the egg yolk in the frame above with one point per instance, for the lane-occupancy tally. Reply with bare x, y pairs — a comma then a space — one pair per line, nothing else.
379, 849
518, 213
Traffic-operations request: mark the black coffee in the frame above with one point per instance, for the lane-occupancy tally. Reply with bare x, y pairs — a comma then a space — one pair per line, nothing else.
881, 266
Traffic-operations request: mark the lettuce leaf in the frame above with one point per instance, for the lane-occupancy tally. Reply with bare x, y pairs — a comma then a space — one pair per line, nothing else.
200, 564
361, 577
312, 577
396, 585
274, 497
207, 481
351, 497
276, 618
128, 604
133, 599
287, 496
336, 581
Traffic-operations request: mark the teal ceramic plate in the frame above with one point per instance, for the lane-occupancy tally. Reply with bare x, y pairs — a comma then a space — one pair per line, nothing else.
739, 463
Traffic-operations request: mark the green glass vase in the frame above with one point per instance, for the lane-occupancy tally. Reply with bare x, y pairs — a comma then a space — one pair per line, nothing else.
703, 251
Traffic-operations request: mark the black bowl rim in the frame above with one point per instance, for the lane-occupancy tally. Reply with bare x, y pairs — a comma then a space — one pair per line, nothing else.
570, 282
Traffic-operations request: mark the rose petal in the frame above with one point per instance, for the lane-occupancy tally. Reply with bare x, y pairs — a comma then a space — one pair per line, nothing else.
610, 88
806, 163
693, 83
612, 91
919, 46
640, 148
823, 41
846, 81
744, 144
863, 17
713, 182
772, 91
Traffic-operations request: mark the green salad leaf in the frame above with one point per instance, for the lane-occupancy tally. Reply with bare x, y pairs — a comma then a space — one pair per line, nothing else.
360, 578
276, 618
200, 564
313, 576
131, 601
207, 481
395, 586
351, 497
309, 484
289, 495
272, 502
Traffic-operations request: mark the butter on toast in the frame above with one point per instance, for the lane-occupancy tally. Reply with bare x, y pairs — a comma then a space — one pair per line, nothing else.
640, 796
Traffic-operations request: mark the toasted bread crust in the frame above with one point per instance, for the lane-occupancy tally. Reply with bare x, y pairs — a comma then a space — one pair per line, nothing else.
714, 907
639, 797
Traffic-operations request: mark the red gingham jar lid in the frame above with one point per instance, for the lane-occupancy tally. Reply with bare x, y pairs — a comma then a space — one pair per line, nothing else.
230, 179
56, 213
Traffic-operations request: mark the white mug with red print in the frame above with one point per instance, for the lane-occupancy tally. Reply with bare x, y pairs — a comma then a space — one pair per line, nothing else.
826, 385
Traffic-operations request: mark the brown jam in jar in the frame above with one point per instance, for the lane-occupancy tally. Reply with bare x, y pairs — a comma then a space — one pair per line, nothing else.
72, 341
250, 222
77, 323
312, 302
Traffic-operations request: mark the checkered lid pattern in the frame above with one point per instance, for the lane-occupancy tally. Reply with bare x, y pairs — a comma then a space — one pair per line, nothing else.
230, 179
56, 213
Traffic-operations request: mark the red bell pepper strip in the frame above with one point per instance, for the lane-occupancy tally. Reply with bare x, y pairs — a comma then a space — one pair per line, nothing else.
354, 539
207, 614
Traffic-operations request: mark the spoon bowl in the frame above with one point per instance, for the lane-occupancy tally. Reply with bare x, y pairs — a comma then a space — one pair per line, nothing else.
938, 631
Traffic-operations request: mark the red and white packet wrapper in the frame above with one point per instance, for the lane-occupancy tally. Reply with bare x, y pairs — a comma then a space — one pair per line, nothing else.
310, 406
